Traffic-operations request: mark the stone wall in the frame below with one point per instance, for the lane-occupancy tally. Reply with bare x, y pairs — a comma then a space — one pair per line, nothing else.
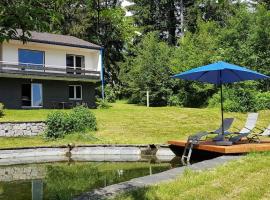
15, 129
27, 172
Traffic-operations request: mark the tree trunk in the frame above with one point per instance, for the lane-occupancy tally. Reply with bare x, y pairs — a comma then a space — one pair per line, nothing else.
182, 17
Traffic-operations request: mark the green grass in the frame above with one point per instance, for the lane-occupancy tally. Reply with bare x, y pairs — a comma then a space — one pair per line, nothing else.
131, 124
245, 179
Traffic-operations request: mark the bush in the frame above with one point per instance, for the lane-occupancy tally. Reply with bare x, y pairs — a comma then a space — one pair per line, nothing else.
57, 125
1, 109
102, 104
263, 101
242, 100
60, 123
174, 100
110, 94
82, 119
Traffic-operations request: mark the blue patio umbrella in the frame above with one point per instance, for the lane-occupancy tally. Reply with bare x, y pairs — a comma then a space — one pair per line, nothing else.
220, 73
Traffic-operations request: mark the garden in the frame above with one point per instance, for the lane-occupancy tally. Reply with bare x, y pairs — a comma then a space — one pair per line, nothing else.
145, 44
127, 124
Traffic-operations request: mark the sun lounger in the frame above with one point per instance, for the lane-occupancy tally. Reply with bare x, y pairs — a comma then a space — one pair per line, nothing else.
266, 132
247, 130
256, 137
227, 123
196, 138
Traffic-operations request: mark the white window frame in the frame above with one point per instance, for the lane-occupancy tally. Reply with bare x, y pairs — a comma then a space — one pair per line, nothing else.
75, 94
74, 62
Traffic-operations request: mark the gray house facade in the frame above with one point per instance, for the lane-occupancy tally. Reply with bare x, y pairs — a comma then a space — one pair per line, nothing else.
49, 71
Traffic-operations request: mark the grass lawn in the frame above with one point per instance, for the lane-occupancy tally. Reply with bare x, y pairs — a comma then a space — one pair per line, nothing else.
131, 124
246, 179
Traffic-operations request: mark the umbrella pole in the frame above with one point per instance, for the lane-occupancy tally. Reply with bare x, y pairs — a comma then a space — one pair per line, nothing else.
221, 104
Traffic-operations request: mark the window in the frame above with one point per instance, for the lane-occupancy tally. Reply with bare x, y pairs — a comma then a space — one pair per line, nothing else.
70, 61
75, 64
32, 58
75, 92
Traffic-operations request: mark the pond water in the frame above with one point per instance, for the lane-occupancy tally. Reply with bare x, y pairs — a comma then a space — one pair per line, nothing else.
64, 180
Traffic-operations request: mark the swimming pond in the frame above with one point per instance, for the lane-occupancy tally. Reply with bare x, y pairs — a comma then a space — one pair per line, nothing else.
65, 180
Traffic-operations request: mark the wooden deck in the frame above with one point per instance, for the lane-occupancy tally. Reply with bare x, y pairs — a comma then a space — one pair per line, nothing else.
209, 146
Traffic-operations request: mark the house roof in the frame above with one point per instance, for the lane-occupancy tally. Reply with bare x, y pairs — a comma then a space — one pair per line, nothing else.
57, 39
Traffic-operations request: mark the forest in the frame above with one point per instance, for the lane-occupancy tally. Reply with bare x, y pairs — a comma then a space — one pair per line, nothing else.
158, 39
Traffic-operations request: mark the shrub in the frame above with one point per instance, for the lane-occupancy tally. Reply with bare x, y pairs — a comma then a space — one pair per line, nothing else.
235, 100
1, 109
263, 101
60, 123
82, 119
242, 100
174, 100
57, 125
110, 94
102, 104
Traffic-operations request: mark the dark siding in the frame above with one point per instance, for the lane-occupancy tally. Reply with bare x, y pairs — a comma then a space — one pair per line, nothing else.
53, 91
10, 92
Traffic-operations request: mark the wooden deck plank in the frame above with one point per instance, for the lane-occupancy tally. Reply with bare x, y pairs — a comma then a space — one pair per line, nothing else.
237, 148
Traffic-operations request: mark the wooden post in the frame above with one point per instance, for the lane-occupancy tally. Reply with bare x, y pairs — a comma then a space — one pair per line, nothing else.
147, 98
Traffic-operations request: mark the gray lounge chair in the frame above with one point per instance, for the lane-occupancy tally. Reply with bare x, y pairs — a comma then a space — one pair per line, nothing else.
247, 130
266, 132
196, 138
256, 137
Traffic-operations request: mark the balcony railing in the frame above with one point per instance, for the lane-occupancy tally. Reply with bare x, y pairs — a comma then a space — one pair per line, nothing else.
48, 70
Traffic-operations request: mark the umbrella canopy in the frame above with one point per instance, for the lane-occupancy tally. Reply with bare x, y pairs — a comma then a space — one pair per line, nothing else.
220, 73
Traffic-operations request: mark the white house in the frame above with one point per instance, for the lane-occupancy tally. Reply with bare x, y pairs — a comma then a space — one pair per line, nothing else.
50, 70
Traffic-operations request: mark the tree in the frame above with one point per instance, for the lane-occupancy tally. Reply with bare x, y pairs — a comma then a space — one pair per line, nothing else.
210, 10
196, 49
102, 22
265, 2
26, 15
245, 41
149, 71
164, 16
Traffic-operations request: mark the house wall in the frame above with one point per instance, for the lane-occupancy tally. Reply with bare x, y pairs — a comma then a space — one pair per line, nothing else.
53, 91
55, 55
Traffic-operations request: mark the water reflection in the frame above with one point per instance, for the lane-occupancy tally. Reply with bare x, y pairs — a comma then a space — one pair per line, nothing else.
65, 180
37, 189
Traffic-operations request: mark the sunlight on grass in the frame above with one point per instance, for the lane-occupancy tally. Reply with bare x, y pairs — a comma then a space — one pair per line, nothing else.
243, 179
131, 124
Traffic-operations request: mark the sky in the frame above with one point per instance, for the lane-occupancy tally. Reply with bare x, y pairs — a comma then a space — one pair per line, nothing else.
124, 4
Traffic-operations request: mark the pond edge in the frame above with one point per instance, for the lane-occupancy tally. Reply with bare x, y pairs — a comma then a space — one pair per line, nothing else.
169, 175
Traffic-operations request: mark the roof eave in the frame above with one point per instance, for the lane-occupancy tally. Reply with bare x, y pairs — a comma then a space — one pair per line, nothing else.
63, 44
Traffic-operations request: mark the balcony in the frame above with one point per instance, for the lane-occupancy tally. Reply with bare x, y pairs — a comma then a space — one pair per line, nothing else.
47, 72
